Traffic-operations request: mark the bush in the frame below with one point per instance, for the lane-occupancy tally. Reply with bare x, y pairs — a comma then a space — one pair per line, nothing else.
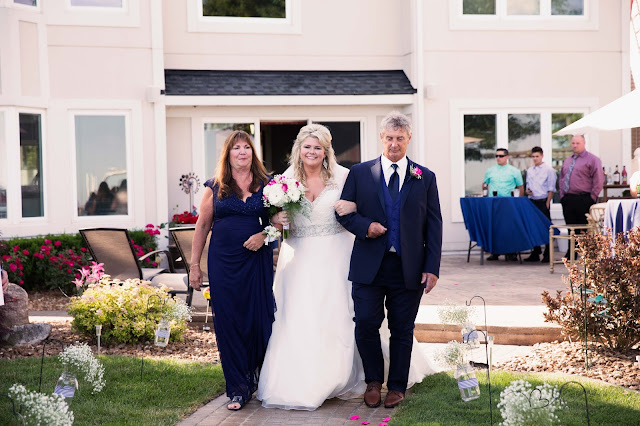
52, 261
121, 309
608, 278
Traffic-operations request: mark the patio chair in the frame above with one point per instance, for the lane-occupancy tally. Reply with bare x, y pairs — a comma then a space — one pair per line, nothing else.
183, 237
113, 248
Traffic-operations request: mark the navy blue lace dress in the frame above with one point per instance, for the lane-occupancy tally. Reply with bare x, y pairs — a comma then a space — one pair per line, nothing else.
241, 290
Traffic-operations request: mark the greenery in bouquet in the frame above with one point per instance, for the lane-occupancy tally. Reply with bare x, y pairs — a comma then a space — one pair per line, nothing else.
78, 358
606, 283
522, 404
41, 409
121, 308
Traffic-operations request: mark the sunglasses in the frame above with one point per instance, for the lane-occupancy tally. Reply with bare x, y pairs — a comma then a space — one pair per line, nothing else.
500, 155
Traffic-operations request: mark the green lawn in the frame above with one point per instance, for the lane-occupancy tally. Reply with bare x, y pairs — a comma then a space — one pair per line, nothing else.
436, 401
168, 391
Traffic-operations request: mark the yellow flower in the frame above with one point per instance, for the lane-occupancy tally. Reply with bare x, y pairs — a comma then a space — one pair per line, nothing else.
206, 293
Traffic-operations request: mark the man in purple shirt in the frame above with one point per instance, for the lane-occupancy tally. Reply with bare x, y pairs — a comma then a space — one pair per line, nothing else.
581, 181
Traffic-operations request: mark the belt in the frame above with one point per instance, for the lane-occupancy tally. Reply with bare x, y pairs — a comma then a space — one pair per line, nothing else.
579, 194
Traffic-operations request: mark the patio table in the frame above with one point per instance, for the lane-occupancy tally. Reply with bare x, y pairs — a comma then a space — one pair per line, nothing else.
502, 225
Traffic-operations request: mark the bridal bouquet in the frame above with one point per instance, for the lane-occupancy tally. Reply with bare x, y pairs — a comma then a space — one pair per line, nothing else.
283, 193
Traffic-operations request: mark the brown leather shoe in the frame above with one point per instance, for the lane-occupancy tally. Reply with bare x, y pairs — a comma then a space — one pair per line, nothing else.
393, 398
372, 395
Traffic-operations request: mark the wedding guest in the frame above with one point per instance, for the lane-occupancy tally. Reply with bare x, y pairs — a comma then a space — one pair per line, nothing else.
240, 264
502, 179
541, 185
581, 180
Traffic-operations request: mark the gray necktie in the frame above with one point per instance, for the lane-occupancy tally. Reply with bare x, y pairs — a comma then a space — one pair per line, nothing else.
568, 176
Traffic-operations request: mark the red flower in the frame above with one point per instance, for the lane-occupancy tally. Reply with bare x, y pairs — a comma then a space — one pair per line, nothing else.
25, 252
57, 244
83, 249
12, 267
47, 241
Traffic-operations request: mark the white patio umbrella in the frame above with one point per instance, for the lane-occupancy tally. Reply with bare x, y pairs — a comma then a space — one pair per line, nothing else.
623, 113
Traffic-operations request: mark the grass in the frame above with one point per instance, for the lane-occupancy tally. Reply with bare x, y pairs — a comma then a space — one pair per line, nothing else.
436, 401
168, 391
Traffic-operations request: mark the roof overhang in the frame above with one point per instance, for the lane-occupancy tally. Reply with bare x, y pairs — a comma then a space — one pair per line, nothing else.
298, 100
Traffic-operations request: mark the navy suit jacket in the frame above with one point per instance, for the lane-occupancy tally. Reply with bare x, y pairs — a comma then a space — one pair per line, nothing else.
420, 223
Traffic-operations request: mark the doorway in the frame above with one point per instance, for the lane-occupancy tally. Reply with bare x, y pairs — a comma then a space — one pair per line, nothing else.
277, 139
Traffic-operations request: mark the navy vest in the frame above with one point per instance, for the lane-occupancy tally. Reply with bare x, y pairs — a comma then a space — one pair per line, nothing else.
392, 209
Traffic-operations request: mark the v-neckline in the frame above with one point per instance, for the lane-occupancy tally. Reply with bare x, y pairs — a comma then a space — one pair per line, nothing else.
317, 196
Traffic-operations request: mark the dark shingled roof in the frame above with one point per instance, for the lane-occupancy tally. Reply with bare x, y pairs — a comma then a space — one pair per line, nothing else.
283, 83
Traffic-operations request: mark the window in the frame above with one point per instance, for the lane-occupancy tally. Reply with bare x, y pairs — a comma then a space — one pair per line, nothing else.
345, 140
3, 168
245, 9
97, 3
31, 165
563, 15
27, 2
523, 7
247, 17
518, 132
479, 149
214, 136
101, 165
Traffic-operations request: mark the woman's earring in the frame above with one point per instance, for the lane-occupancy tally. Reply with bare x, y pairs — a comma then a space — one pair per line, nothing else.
325, 163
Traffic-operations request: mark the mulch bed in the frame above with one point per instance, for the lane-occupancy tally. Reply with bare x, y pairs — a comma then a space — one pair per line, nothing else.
558, 357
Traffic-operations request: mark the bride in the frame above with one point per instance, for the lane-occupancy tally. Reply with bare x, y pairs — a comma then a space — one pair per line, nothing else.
312, 354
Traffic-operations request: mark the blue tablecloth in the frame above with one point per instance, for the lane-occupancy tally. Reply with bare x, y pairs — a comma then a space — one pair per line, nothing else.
622, 215
503, 225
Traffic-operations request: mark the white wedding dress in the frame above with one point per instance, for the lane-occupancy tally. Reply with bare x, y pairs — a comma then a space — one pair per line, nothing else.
312, 354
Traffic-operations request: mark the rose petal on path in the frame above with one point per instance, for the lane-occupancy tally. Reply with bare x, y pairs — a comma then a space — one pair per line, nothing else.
354, 417
365, 423
386, 419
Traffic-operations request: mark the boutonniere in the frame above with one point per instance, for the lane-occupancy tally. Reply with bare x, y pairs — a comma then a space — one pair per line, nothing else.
416, 172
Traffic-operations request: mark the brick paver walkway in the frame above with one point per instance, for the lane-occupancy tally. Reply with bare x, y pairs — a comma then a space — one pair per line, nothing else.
332, 412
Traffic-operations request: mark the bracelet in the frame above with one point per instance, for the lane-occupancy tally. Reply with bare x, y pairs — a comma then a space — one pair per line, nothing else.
195, 264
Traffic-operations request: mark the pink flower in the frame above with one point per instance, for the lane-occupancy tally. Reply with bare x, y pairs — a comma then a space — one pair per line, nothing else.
25, 252
47, 241
77, 282
57, 244
83, 249
285, 187
13, 267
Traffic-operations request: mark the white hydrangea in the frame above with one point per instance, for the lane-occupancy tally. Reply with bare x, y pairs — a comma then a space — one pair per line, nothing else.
521, 403
39, 409
79, 357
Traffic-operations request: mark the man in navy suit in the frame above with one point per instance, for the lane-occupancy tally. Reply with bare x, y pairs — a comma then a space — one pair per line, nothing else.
396, 254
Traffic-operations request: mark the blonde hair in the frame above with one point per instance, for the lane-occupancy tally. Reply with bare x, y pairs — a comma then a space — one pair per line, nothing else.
224, 179
322, 134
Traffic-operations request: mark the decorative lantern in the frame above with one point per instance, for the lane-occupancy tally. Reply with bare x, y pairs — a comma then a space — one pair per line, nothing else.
163, 331
467, 382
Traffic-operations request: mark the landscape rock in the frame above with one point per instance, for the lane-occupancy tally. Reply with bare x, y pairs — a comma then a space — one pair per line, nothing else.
26, 334
15, 310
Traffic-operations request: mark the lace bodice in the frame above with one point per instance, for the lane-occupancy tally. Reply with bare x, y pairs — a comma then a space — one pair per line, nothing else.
321, 219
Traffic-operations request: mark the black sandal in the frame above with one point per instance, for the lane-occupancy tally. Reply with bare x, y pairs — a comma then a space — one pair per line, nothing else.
236, 400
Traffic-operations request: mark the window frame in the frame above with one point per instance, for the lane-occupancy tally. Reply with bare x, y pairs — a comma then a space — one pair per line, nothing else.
96, 16
544, 21
129, 161
291, 24
502, 109
21, 6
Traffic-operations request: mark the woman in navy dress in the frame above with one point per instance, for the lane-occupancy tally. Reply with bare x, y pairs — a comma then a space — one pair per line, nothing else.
240, 264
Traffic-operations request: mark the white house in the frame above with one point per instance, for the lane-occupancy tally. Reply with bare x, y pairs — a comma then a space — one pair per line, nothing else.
136, 93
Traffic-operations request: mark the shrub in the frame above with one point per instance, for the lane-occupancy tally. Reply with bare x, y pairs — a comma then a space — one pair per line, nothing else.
121, 309
14, 260
609, 278
57, 265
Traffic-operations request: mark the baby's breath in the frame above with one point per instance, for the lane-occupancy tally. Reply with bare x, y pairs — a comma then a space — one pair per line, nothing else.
178, 311
453, 354
38, 409
79, 357
521, 403
456, 314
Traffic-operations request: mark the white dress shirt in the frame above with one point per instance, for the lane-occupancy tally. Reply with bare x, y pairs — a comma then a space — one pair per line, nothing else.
388, 170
